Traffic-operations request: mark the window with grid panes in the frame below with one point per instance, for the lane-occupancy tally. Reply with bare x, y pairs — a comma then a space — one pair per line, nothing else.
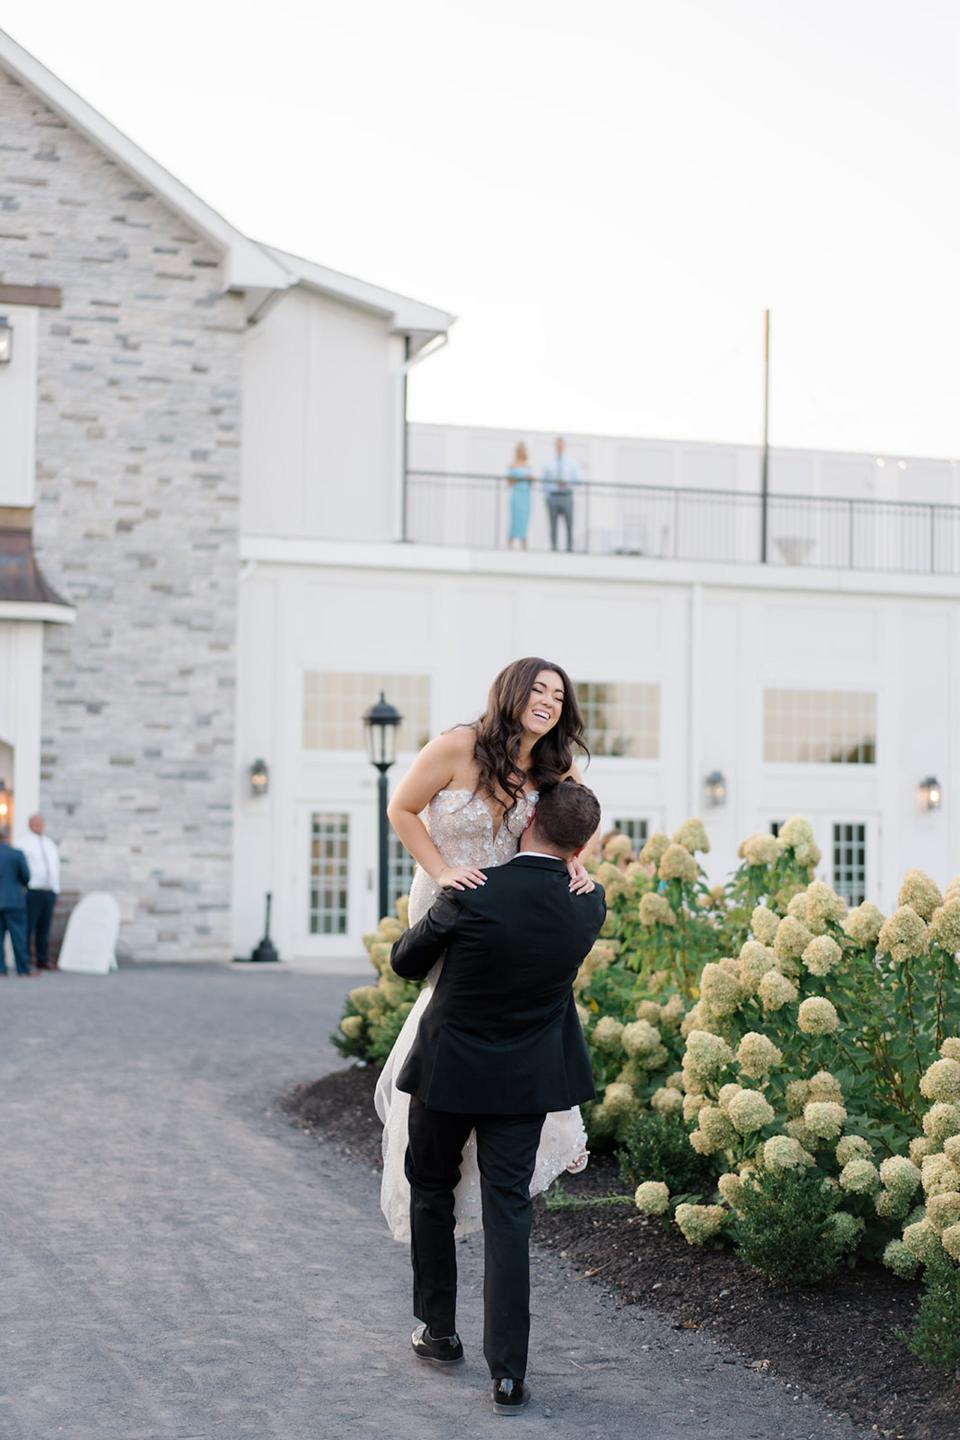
620, 718
850, 862
335, 701
400, 868
820, 727
635, 829
329, 873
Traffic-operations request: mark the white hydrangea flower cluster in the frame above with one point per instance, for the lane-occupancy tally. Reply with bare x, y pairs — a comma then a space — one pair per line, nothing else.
720, 987
822, 955
757, 1055
791, 939
699, 1223
763, 924
652, 1197
822, 905
678, 864
860, 1176
796, 834
617, 848
692, 835
654, 848
817, 1016
656, 910
824, 1118
783, 1152
945, 926
667, 1100
705, 1057
904, 936
750, 1111
863, 924
754, 961
920, 893
761, 849
607, 1035
775, 990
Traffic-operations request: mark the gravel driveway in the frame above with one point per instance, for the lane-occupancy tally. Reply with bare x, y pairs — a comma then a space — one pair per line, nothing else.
179, 1263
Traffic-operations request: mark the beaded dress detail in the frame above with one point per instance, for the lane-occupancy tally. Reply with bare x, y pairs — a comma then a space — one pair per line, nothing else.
465, 832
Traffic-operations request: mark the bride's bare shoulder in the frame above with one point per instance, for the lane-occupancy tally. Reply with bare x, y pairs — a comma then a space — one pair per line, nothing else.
455, 748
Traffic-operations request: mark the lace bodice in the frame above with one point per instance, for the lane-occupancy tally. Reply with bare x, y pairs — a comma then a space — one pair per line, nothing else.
465, 832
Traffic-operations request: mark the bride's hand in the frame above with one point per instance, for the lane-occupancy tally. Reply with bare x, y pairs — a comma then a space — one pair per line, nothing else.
461, 877
580, 882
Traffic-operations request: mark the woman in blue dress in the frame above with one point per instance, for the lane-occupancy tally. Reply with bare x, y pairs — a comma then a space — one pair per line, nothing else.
520, 480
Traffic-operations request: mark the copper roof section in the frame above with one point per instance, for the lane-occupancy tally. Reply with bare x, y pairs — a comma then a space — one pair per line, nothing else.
21, 579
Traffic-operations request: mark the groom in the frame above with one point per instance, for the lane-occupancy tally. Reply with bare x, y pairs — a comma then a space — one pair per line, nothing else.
499, 1047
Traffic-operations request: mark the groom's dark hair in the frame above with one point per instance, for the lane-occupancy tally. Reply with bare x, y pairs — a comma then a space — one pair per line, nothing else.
567, 815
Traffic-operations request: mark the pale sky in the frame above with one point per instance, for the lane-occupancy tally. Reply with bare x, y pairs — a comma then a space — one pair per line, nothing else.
607, 196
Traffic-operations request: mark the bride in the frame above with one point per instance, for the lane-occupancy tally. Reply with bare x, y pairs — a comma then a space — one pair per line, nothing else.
478, 785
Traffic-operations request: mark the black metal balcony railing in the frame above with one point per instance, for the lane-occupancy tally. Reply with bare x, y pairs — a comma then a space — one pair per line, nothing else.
680, 524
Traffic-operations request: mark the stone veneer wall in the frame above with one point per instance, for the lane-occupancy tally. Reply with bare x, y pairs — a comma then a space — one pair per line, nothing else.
136, 523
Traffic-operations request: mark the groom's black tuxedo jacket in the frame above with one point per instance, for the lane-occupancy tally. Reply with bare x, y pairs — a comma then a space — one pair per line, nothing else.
501, 1035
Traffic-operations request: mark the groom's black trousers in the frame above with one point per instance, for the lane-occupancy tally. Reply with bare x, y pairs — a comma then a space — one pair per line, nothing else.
506, 1152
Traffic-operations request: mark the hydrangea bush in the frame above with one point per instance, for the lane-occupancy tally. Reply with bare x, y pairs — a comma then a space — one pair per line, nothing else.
815, 1048
374, 1014
638, 981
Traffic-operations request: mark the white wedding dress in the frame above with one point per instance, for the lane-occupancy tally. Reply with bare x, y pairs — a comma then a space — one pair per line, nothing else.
462, 828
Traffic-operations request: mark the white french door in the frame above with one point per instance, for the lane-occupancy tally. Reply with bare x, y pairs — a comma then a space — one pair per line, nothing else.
334, 903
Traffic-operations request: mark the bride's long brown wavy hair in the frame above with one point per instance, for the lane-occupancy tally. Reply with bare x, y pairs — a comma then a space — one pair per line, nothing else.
500, 732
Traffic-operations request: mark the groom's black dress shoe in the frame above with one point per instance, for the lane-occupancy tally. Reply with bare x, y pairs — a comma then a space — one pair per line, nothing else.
446, 1351
509, 1396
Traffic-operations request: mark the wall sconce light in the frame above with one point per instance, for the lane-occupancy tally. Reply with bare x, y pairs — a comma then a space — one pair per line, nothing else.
6, 803
715, 787
931, 794
259, 778
6, 341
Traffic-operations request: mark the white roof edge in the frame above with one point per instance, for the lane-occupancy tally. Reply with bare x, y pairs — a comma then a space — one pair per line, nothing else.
247, 265
37, 610
409, 317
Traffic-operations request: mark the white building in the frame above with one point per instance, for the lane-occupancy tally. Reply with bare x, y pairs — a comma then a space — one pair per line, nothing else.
246, 546
824, 689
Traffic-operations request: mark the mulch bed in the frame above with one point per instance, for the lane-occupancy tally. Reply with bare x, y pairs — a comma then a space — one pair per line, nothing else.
838, 1343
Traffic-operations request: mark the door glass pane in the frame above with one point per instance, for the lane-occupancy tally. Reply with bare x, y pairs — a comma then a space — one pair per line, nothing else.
850, 862
636, 829
329, 873
400, 868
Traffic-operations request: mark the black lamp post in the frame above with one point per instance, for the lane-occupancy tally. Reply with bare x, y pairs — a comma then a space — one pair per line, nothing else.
383, 722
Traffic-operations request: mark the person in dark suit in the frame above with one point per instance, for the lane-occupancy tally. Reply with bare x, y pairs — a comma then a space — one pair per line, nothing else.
14, 878
499, 1047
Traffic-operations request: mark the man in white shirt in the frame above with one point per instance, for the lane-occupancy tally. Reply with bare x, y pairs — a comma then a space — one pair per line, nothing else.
559, 478
44, 861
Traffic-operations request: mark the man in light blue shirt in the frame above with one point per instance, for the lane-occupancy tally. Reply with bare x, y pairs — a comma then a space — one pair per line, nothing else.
559, 478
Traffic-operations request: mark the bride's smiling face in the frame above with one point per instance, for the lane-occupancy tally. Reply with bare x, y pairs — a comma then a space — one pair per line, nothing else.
545, 705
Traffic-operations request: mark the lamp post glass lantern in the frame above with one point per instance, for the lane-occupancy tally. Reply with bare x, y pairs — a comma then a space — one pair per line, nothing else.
259, 778
383, 724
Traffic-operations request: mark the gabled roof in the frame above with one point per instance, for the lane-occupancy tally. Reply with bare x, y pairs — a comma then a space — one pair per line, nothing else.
407, 317
248, 266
